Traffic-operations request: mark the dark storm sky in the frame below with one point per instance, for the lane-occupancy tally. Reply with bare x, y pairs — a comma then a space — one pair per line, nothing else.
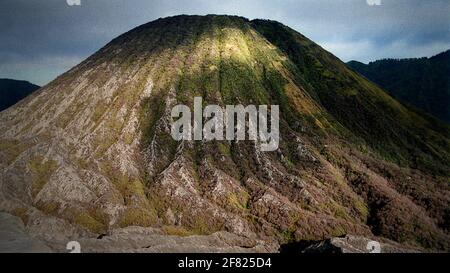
40, 39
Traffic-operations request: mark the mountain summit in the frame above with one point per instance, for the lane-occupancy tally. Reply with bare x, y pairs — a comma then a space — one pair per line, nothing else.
91, 152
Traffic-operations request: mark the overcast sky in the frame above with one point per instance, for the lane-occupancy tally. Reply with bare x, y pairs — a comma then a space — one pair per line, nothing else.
40, 39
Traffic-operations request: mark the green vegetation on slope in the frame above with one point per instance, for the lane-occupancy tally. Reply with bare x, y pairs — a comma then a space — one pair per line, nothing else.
397, 133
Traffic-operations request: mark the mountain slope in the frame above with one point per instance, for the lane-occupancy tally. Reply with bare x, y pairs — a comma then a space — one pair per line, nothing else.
92, 150
11, 91
422, 82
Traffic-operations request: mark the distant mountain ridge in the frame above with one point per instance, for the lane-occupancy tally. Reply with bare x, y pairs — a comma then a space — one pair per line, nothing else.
12, 91
421, 82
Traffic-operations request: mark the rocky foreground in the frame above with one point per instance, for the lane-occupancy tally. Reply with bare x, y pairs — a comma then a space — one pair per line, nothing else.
14, 238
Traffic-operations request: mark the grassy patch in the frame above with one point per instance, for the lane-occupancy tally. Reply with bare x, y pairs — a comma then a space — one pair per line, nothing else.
22, 213
176, 230
43, 169
12, 149
135, 216
85, 220
239, 201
